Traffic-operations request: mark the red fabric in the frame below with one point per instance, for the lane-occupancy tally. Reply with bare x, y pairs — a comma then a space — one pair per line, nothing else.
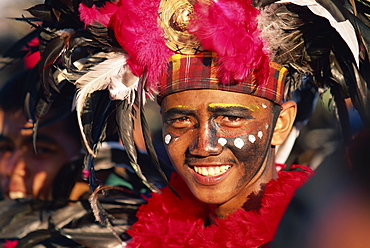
168, 221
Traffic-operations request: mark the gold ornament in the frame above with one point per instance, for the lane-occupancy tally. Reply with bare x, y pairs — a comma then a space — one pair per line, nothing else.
174, 18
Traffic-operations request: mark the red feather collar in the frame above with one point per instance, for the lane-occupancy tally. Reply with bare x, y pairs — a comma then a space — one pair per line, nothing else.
168, 221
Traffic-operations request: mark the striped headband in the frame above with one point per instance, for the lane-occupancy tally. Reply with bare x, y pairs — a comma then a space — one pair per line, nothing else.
190, 72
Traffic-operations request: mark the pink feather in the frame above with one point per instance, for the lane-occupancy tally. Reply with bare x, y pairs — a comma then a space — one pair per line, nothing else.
136, 29
229, 28
93, 14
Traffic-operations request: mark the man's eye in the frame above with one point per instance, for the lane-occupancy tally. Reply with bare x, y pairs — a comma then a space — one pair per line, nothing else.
41, 150
231, 121
5, 148
181, 122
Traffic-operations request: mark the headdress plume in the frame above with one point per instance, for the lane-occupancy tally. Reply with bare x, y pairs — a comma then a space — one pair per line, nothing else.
230, 29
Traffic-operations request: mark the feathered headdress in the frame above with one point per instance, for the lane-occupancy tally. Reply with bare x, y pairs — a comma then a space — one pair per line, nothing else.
116, 52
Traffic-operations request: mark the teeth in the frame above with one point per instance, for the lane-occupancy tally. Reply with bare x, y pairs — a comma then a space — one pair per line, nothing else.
211, 171
204, 171
16, 195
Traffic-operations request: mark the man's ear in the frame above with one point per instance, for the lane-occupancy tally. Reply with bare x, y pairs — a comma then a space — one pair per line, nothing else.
284, 123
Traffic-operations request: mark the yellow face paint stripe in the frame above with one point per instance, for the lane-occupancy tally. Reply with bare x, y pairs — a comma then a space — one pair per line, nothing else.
183, 107
226, 105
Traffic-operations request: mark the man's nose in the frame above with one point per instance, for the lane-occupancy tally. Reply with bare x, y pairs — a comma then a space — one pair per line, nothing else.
205, 142
15, 164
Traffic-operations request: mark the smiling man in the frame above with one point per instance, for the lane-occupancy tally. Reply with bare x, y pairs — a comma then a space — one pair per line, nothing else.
36, 172
221, 94
221, 141
223, 114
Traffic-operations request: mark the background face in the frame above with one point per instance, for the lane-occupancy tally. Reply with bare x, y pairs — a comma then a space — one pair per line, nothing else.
23, 173
217, 140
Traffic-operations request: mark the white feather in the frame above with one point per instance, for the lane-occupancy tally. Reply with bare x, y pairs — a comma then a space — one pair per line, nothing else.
112, 74
345, 29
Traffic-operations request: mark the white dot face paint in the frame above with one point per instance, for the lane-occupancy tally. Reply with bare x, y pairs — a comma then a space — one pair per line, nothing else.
239, 143
263, 105
222, 141
167, 139
267, 126
251, 138
260, 134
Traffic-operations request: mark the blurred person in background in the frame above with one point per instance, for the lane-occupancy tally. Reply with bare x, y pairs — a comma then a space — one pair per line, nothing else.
28, 169
332, 209
36, 178
41, 168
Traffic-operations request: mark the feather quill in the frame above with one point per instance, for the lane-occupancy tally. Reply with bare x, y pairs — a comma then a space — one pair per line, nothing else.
112, 74
147, 136
100, 213
125, 128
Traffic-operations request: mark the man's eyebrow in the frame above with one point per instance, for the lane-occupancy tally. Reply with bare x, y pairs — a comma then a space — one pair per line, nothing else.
4, 138
252, 107
42, 138
179, 109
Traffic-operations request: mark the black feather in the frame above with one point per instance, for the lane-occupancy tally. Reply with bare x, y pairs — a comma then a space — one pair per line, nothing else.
42, 12
49, 56
125, 120
36, 237
94, 117
148, 139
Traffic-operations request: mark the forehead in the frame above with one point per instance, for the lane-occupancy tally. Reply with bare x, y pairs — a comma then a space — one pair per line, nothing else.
14, 122
13, 125
200, 99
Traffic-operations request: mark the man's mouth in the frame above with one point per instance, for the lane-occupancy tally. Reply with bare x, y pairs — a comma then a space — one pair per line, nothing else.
16, 194
211, 170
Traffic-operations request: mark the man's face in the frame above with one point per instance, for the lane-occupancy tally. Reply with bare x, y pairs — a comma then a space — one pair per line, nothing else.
217, 140
23, 173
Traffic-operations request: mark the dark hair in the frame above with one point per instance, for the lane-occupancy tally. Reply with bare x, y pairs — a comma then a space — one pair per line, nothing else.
276, 109
13, 94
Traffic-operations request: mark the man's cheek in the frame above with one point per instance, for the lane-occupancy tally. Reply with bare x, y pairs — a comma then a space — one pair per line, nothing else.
247, 146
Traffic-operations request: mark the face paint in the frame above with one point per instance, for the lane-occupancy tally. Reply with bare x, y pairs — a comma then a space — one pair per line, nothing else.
215, 140
222, 141
251, 138
239, 143
260, 134
167, 139
179, 125
237, 134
